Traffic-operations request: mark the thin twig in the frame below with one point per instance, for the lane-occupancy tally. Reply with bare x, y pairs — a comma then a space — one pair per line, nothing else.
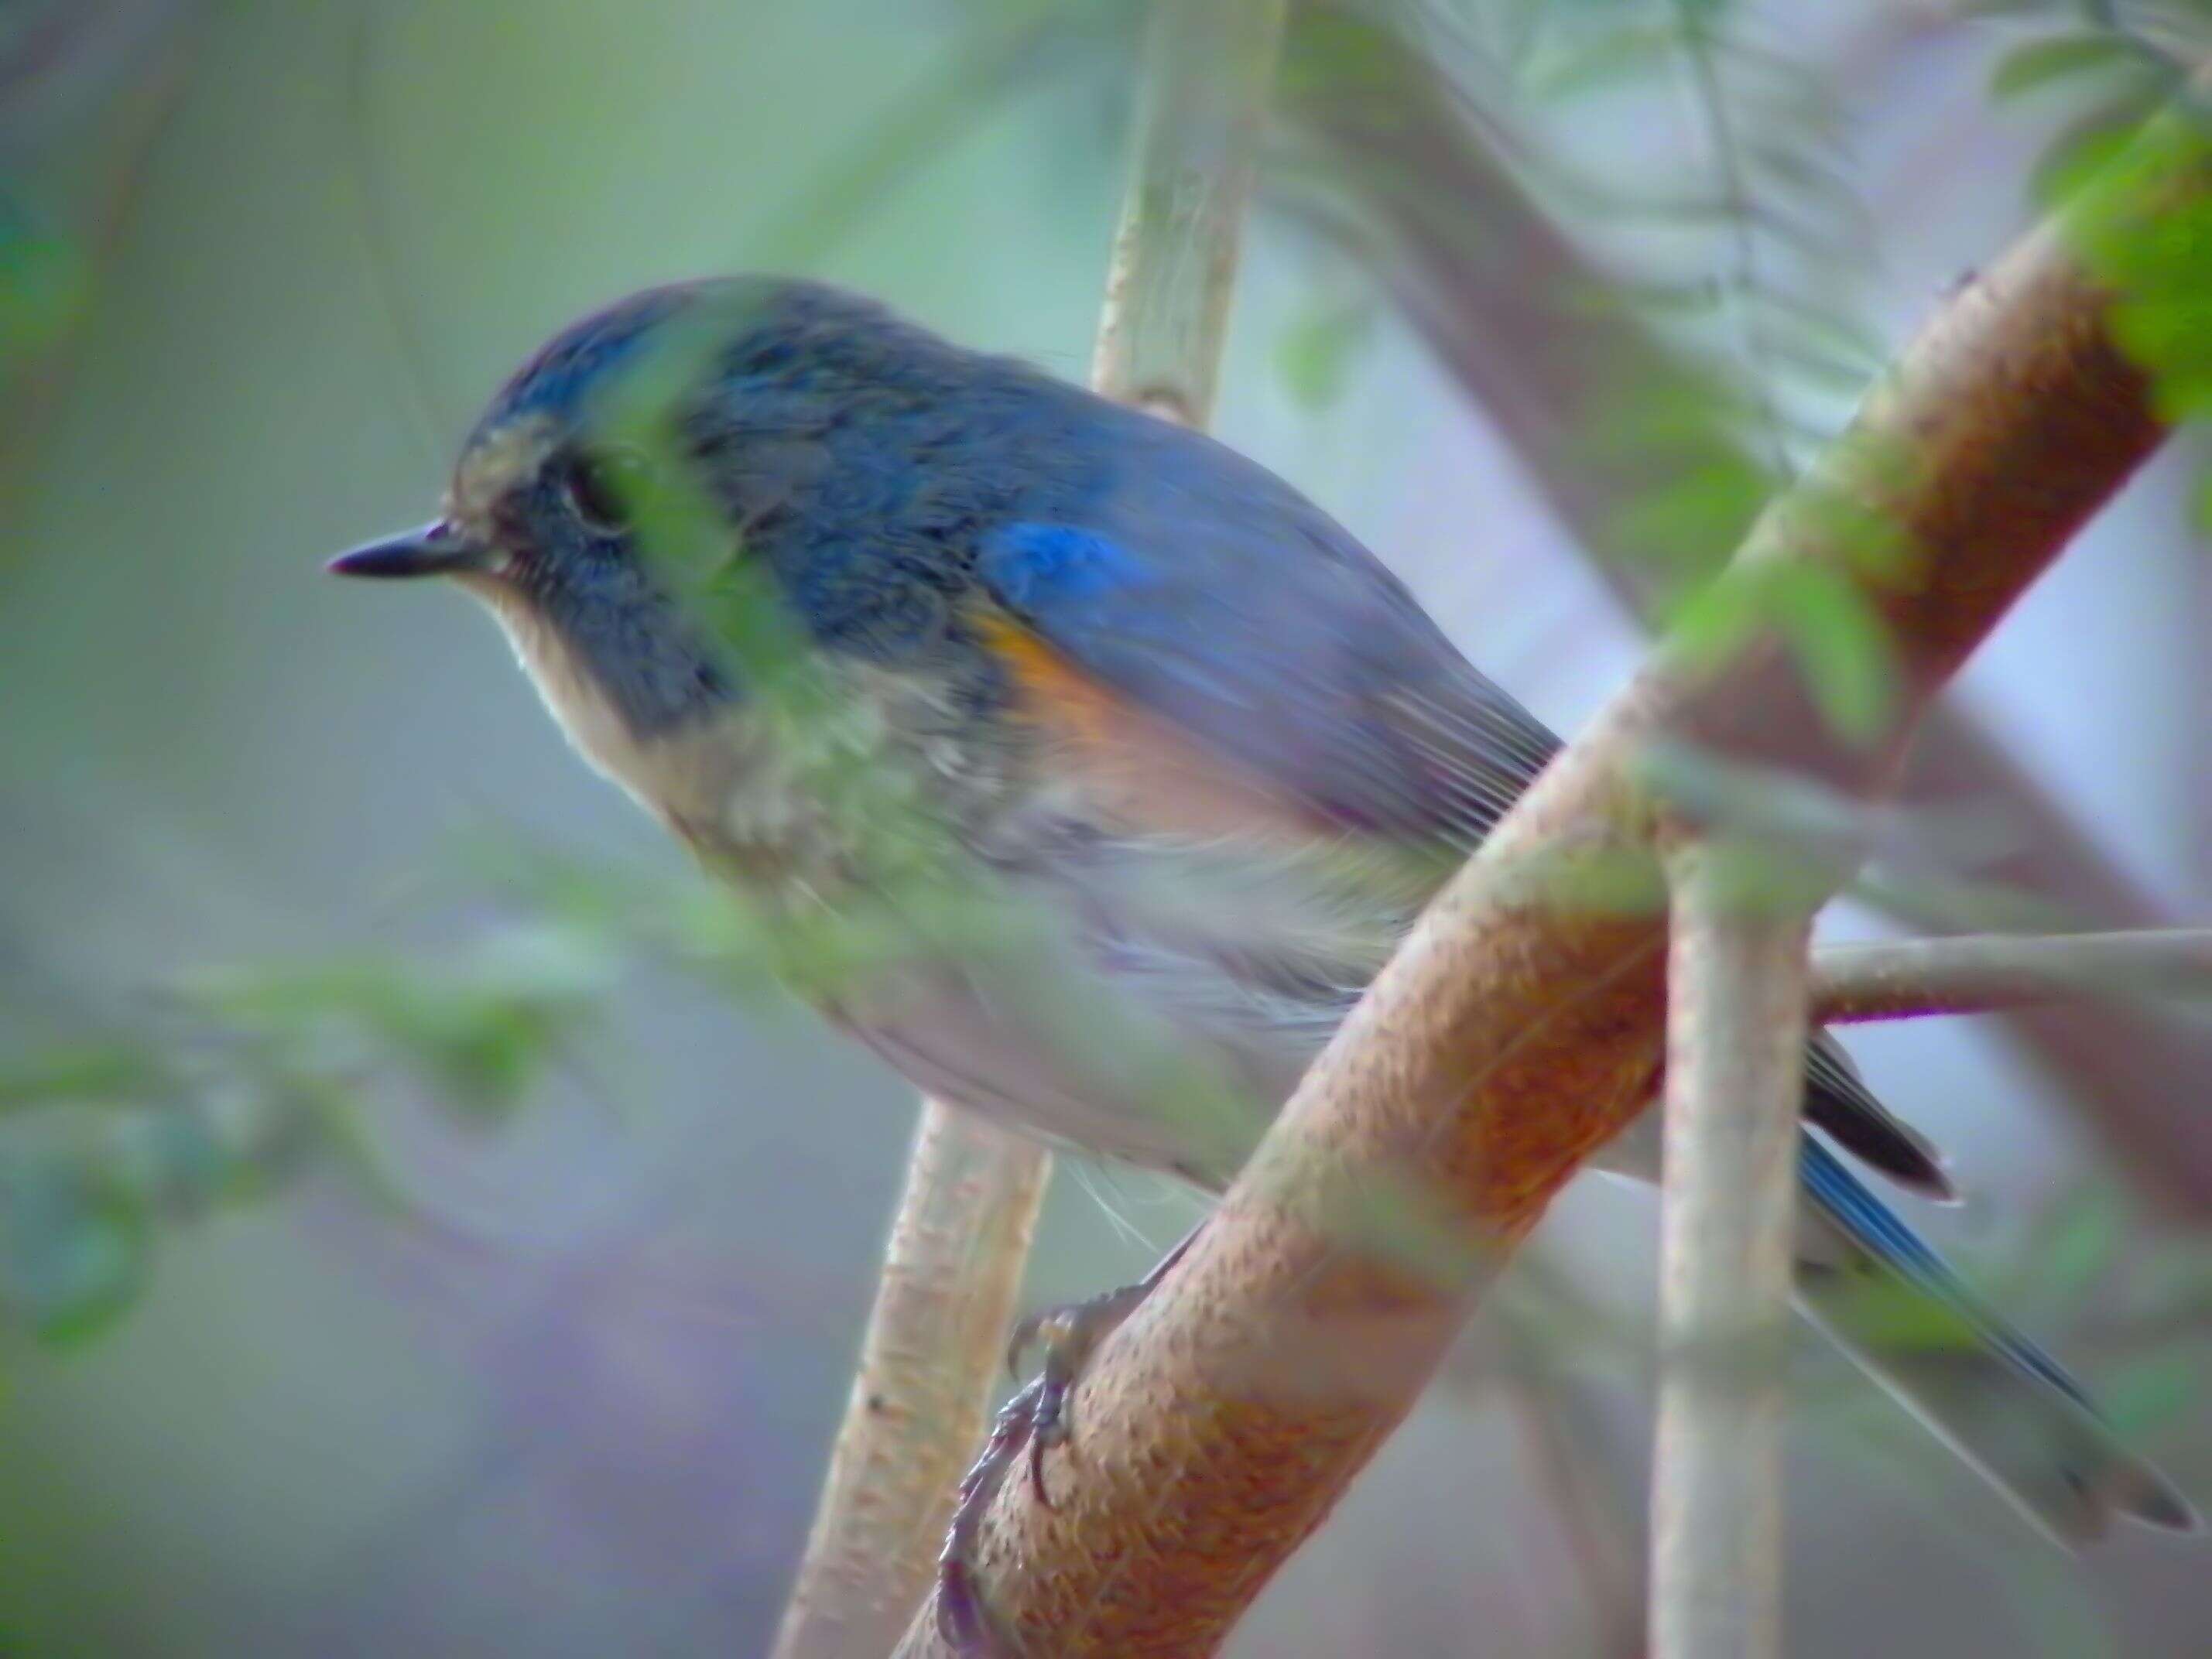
951, 1270
972, 1192
1980, 973
1736, 1070
1208, 66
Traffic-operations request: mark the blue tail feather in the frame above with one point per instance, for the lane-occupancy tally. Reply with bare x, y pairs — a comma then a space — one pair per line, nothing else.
2005, 1405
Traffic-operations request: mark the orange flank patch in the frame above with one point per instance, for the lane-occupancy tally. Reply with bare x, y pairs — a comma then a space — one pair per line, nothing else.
1143, 770
1155, 776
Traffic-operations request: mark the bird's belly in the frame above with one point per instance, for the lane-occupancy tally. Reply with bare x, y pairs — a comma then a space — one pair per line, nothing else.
951, 1040
1153, 1010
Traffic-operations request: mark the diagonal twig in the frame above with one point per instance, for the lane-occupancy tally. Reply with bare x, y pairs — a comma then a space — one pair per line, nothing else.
1979, 973
951, 1270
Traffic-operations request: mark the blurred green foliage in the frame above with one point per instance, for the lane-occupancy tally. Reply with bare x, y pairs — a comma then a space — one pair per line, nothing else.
238, 1081
42, 279
247, 1076
224, 1088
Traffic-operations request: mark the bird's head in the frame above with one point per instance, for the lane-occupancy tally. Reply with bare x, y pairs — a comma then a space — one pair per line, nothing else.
605, 508
683, 432
546, 516
682, 493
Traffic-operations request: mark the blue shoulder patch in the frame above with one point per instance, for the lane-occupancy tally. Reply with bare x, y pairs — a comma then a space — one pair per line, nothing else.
1037, 567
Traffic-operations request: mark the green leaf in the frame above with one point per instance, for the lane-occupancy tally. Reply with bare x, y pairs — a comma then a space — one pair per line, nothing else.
71, 1262
360, 1156
89, 1074
2085, 1243
1316, 355
2061, 57
1892, 1313
1843, 645
1686, 297
43, 283
1696, 519
2154, 1391
1603, 60
2173, 1277
2081, 153
1716, 620
1326, 52
166, 1155
1818, 367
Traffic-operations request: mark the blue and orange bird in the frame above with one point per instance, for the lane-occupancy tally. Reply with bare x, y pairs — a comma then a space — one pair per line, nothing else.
1118, 768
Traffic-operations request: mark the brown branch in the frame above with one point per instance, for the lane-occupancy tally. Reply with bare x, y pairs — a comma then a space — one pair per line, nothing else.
972, 1193
1981, 973
1207, 70
935, 1335
1539, 335
1516, 1030
1735, 1072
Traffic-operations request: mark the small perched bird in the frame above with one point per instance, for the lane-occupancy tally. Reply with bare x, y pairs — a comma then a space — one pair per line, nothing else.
1112, 766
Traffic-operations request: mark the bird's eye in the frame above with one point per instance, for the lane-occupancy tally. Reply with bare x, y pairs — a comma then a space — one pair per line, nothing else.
607, 489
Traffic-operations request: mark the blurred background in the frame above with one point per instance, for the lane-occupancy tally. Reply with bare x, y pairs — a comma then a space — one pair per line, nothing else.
381, 1272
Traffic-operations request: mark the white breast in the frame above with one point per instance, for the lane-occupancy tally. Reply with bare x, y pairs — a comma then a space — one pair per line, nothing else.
682, 776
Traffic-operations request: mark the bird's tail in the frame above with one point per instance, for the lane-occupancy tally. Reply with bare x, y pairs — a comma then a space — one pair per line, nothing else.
2002, 1403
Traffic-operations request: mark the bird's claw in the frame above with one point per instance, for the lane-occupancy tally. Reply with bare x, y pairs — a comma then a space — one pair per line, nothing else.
1036, 1418
961, 1620
1049, 1327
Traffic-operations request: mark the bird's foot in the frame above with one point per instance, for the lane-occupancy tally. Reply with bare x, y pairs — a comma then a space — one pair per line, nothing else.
962, 1618
1068, 1336
1035, 1418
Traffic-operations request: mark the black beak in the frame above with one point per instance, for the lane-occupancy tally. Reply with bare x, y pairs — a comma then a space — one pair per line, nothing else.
433, 551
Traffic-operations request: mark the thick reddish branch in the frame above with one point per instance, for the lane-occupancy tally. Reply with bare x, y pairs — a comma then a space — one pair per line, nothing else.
1518, 1026
1527, 322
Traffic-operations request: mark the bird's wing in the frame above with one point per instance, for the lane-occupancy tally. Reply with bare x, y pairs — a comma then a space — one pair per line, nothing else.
1202, 593
1216, 600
